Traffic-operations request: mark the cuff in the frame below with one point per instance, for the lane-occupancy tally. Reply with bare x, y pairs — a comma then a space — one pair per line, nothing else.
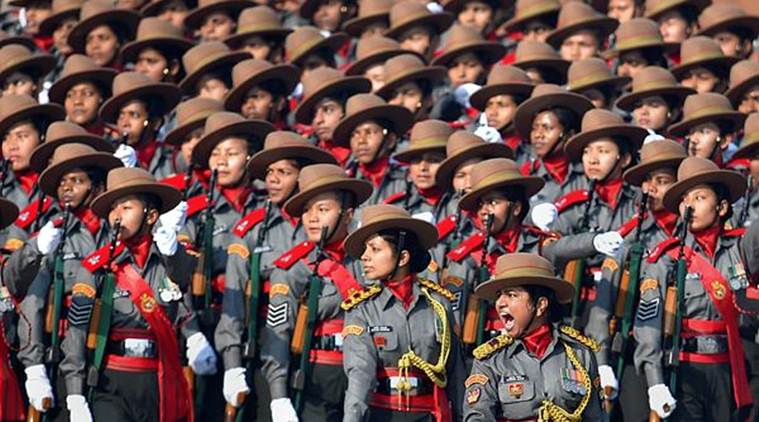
74, 385
232, 357
278, 388
654, 374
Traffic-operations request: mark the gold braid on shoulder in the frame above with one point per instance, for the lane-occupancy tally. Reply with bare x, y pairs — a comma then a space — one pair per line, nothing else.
442, 291
493, 345
549, 411
359, 296
580, 338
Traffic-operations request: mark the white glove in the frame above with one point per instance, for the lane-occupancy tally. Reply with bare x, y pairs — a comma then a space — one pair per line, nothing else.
608, 243
166, 241
435, 7
489, 134
463, 92
48, 238
175, 218
543, 215
127, 155
234, 384
297, 91
38, 386
283, 410
660, 400
652, 137
200, 355
608, 379
79, 411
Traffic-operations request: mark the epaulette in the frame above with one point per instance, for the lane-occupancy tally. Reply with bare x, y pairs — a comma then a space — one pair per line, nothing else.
740, 231
99, 258
196, 204
289, 258
493, 345
572, 198
537, 231
466, 247
661, 248
442, 291
176, 181
394, 197
31, 212
359, 296
248, 222
445, 226
577, 336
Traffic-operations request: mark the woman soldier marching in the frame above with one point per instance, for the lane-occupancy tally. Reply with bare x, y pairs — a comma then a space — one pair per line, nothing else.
409, 82
101, 32
267, 231
260, 90
402, 356
536, 369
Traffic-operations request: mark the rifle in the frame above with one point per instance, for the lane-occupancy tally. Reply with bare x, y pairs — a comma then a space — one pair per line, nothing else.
577, 267
3, 175
473, 309
314, 290
456, 235
100, 321
201, 277
747, 198
187, 180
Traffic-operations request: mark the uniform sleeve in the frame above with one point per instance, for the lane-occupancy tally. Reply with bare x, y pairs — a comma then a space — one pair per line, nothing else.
602, 308
20, 268
360, 365
179, 267
750, 248
481, 397
31, 326
456, 372
456, 278
229, 331
593, 411
647, 328
569, 247
74, 343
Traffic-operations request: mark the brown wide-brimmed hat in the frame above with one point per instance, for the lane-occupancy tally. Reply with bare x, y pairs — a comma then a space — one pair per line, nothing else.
261, 21
157, 33
528, 10
654, 155
461, 40
124, 181
101, 12
495, 173
68, 157
8, 213
599, 123
280, 145
17, 58
407, 68
502, 80
652, 81
700, 51
323, 82
546, 96
426, 136
708, 107
637, 34
61, 133
536, 54
361, 108
194, 19
592, 73
575, 16
371, 51
306, 40
280, 79
206, 57
525, 269
370, 12
744, 75
654, 9
61, 10
224, 124
320, 178
377, 218
18, 108
156, 7
191, 116
26, 41
130, 86
463, 146
750, 142
77, 69
408, 14
694, 171
725, 16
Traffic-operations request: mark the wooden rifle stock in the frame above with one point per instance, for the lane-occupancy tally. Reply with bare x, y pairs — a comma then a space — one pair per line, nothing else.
230, 412
34, 415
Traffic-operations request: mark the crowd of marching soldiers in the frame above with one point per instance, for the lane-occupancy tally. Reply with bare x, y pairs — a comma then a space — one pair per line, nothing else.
379, 210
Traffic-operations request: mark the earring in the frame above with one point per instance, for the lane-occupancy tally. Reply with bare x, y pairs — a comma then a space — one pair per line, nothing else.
669, 114
165, 71
344, 9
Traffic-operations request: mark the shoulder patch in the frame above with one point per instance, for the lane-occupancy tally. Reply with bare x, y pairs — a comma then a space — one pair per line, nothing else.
648, 284
445, 226
577, 336
352, 330
176, 181
610, 264
442, 291
82, 289
238, 249
493, 345
279, 289
537, 231
196, 204
734, 232
572, 198
359, 296
466, 247
289, 258
394, 197
452, 280
661, 248
13, 244
99, 258
629, 226
277, 314
476, 379
648, 309
248, 222
32, 211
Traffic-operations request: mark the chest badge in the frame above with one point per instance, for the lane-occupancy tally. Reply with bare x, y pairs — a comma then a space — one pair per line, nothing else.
169, 291
719, 290
147, 303
572, 381
473, 395
516, 390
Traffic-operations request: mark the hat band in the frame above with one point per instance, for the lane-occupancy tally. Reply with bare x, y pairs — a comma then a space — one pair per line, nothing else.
498, 177
131, 183
207, 60
659, 157
403, 75
411, 19
706, 112
584, 21
536, 9
589, 80
639, 41
323, 181
258, 27
306, 46
665, 5
201, 114
11, 63
654, 85
702, 57
525, 271
426, 143
159, 37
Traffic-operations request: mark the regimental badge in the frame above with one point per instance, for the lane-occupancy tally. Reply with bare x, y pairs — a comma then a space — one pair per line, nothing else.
169, 291
516, 390
719, 290
473, 395
147, 303
738, 278
571, 381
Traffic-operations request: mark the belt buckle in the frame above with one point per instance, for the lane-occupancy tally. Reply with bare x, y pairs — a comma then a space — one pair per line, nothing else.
138, 348
413, 382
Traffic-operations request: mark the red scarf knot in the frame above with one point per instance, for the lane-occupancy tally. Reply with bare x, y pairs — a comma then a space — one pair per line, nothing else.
402, 290
90, 220
237, 196
707, 239
609, 191
431, 195
666, 220
145, 153
537, 341
139, 247
340, 153
557, 165
376, 170
26, 179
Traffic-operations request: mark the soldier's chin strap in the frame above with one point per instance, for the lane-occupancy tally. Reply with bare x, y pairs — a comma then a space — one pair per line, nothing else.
401, 242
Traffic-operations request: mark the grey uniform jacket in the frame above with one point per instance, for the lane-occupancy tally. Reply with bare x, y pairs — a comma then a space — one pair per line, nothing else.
553, 189
394, 181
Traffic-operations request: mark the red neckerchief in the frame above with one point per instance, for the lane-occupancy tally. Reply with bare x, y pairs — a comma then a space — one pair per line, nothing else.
557, 165
538, 340
145, 153
26, 179
203, 176
340, 153
431, 195
707, 239
335, 251
43, 43
666, 220
402, 290
237, 197
139, 248
88, 218
512, 140
287, 217
375, 171
509, 239
609, 191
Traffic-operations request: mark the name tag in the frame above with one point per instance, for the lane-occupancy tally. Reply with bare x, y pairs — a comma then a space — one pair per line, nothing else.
380, 329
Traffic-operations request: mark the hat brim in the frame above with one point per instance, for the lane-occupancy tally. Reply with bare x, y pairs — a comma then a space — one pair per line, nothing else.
131, 50
255, 129
425, 232
445, 172
734, 118
748, 22
153, 8
49, 24
128, 19
36, 66
334, 42
258, 163
735, 94
550, 67
490, 52
41, 155
102, 77
530, 184
51, 176
429, 74
407, 156
528, 109
362, 189
168, 195
180, 133
400, 118
235, 41
289, 75
188, 84
732, 180
8, 213
166, 94
346, 86
695, 5
613, 81
678, 93
439, 21
563, 290
515, 24
605, 25
358, 67
637, 174
479, 98
634, 135
49, 112
27, 42
721, 65
355, 26
747, 149
194, 19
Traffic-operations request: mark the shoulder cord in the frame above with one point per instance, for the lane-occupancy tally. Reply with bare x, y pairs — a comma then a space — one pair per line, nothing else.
549, 411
